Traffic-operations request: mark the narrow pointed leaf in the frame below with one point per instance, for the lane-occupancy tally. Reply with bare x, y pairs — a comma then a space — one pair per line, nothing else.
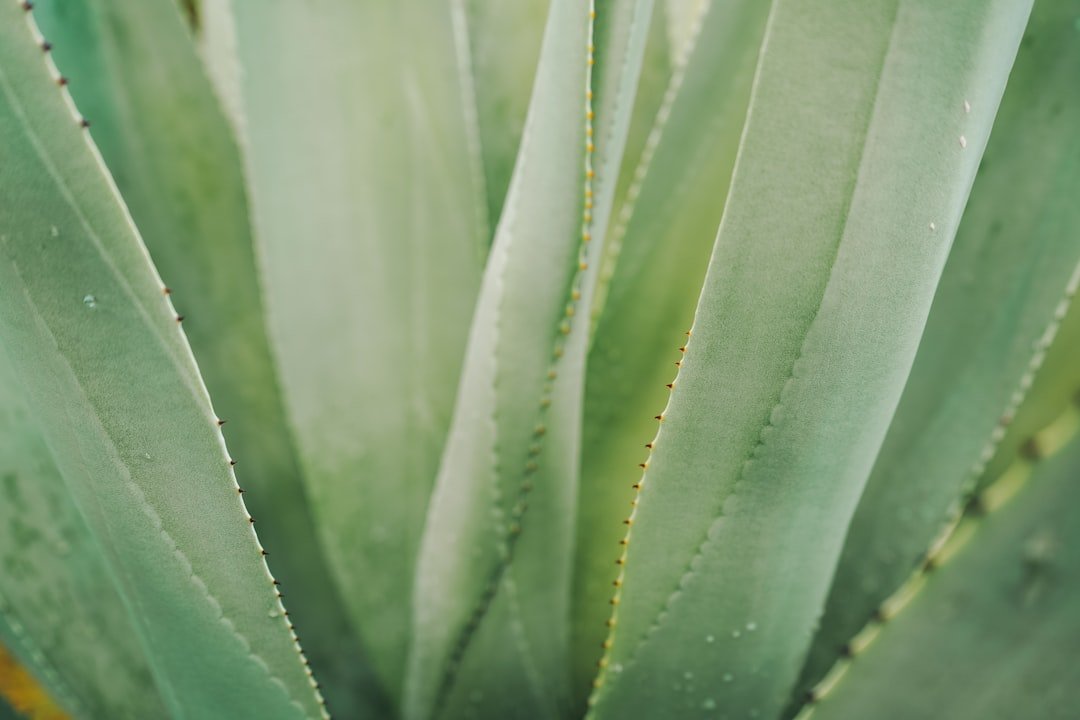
493, 587
133, 69
660, 246
503, 49
369, 215
117, 395
656, 69
1014, 265
812, 309
992, 631
59, 611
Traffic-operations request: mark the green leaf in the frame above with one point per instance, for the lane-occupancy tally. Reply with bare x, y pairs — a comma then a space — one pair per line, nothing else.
991, 633
493, 582
118, 398
503, 48
681, 17
369, 213
133, 69
997, 309
653, 82
660, 247
1048, 397
59, 610
853, 170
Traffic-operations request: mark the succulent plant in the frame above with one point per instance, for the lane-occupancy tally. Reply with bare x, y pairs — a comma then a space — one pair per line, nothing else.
584, 358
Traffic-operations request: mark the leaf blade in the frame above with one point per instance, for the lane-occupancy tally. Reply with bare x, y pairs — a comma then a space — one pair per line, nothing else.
133, 69
50, 566
661, 241
799, 354
989, 634
359, 211
111, 391
1014, 255
523, 372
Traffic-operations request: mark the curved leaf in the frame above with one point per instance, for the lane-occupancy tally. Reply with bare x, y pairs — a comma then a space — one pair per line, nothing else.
59, 610
133, 69
999, 304
504, 47
368, 211
811, 313
118, 397
492, 595
660, 245
992, 632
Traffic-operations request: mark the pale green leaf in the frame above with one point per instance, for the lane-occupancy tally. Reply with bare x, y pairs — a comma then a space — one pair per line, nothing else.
991, 633
996, 311
682, 16
1048, 397
119, 401
853, 170
59, 611
133, 70
369, 216
503, 49
493, 582
653, 82
659, 247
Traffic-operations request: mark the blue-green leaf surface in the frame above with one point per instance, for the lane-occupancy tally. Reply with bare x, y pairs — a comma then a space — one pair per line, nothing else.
1013, 268
132, 69
113, 387
503, 46
59, 611
853, 170
370, 220
991, 633
655, 258
493, 582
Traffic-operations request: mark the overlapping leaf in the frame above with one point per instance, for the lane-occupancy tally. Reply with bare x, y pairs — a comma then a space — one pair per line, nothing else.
502, 40
852, 173
1013, 268
116, 394
133, 69
658, 250
370, 219
59, 611
992, 631
492, 597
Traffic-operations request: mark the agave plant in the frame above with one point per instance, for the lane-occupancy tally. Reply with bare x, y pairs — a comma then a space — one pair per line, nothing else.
580, 357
